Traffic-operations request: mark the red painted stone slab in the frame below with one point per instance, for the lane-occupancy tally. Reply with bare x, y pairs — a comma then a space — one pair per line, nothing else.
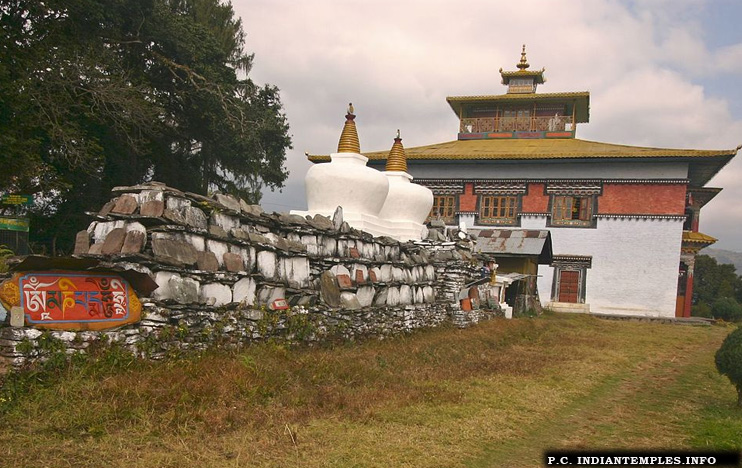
279, 304
72, 300
344, 281
360, 278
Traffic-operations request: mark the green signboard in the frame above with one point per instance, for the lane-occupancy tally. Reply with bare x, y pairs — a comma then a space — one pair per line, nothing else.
16, 199
14, 224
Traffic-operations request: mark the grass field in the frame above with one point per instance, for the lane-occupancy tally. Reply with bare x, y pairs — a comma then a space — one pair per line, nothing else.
495, 395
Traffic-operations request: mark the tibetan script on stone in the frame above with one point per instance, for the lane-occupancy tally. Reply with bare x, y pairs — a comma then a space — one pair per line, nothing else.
72, 300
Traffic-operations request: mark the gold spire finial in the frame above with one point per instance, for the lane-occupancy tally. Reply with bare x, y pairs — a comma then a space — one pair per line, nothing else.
523, 65
397, 160
349, 138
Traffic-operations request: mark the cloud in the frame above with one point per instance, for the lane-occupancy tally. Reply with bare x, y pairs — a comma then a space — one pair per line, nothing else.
645, 64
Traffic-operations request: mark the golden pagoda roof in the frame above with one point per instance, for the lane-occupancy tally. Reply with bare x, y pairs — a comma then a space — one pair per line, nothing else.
397, 160
523, 71
704, 163
349, 137
580, 99
517, 73
698, 238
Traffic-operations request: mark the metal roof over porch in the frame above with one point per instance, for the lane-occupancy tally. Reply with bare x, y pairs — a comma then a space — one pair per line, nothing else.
514, 243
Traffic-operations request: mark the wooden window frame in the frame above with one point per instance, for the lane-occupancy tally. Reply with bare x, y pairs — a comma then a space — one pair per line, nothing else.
573, 210
448, 206
498, 209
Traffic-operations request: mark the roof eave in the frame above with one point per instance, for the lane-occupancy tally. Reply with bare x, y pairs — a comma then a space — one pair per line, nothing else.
580, 99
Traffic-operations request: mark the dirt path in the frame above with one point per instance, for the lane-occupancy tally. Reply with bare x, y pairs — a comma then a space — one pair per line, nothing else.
646, 407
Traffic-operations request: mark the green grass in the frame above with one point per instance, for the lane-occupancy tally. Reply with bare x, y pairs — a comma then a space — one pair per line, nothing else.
494, 395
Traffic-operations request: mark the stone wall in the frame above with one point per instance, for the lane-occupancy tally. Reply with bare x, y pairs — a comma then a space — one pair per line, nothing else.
228, 273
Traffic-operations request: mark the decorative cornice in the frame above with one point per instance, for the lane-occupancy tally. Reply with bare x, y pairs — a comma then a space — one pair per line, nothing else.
638, 216
574, 187
646, 181
443, 187
585, 261
546, 181
440, 181
496, 187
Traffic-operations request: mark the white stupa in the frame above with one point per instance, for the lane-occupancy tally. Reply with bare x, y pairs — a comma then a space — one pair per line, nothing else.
407, 204
381, 203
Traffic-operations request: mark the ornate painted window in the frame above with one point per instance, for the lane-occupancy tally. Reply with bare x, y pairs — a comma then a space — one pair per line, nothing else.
572, 210
497, 209
444, 207
573, 203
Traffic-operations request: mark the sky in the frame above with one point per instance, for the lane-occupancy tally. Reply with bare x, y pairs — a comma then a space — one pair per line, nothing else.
662, 73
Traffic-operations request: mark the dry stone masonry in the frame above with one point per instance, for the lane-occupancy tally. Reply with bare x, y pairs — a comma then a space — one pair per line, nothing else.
229, 274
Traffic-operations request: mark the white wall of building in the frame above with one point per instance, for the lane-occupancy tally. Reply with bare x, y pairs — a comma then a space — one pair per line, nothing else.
548, 170
634, 263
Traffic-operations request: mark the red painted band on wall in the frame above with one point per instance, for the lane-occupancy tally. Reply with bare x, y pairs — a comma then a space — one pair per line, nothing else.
667, 199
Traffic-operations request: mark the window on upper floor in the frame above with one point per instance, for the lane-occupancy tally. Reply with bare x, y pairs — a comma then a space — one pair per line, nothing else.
497, 209
444, 208
568, 210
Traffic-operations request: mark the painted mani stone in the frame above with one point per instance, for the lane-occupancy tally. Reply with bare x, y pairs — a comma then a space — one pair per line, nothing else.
72, 300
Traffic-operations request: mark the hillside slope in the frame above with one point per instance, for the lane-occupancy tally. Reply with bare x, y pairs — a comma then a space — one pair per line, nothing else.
726, 256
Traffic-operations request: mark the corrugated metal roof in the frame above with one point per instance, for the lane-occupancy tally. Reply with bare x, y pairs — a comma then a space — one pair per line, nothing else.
513, 276
514, 242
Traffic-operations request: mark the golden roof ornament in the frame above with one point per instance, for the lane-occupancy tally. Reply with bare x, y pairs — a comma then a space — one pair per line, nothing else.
523, 65
520, 86
349, 138
397, 160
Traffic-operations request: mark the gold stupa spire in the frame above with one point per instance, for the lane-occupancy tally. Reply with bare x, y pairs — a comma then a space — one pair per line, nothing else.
349, 138
523, 65
397, 160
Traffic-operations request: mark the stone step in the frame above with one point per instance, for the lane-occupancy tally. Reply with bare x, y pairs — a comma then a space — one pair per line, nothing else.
569, 307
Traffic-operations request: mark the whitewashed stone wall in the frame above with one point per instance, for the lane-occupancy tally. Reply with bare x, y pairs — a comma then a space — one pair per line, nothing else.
224, 269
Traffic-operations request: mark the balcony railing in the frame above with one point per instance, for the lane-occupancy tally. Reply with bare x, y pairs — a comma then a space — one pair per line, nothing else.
557, 123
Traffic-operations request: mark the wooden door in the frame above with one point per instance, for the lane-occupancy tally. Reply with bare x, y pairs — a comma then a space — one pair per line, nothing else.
568, 284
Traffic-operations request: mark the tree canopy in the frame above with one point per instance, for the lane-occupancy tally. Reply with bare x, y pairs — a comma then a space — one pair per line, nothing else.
99, 93
717, 290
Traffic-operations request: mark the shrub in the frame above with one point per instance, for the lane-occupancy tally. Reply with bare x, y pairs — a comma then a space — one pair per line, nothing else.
701, 310
727, 308
729, 360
